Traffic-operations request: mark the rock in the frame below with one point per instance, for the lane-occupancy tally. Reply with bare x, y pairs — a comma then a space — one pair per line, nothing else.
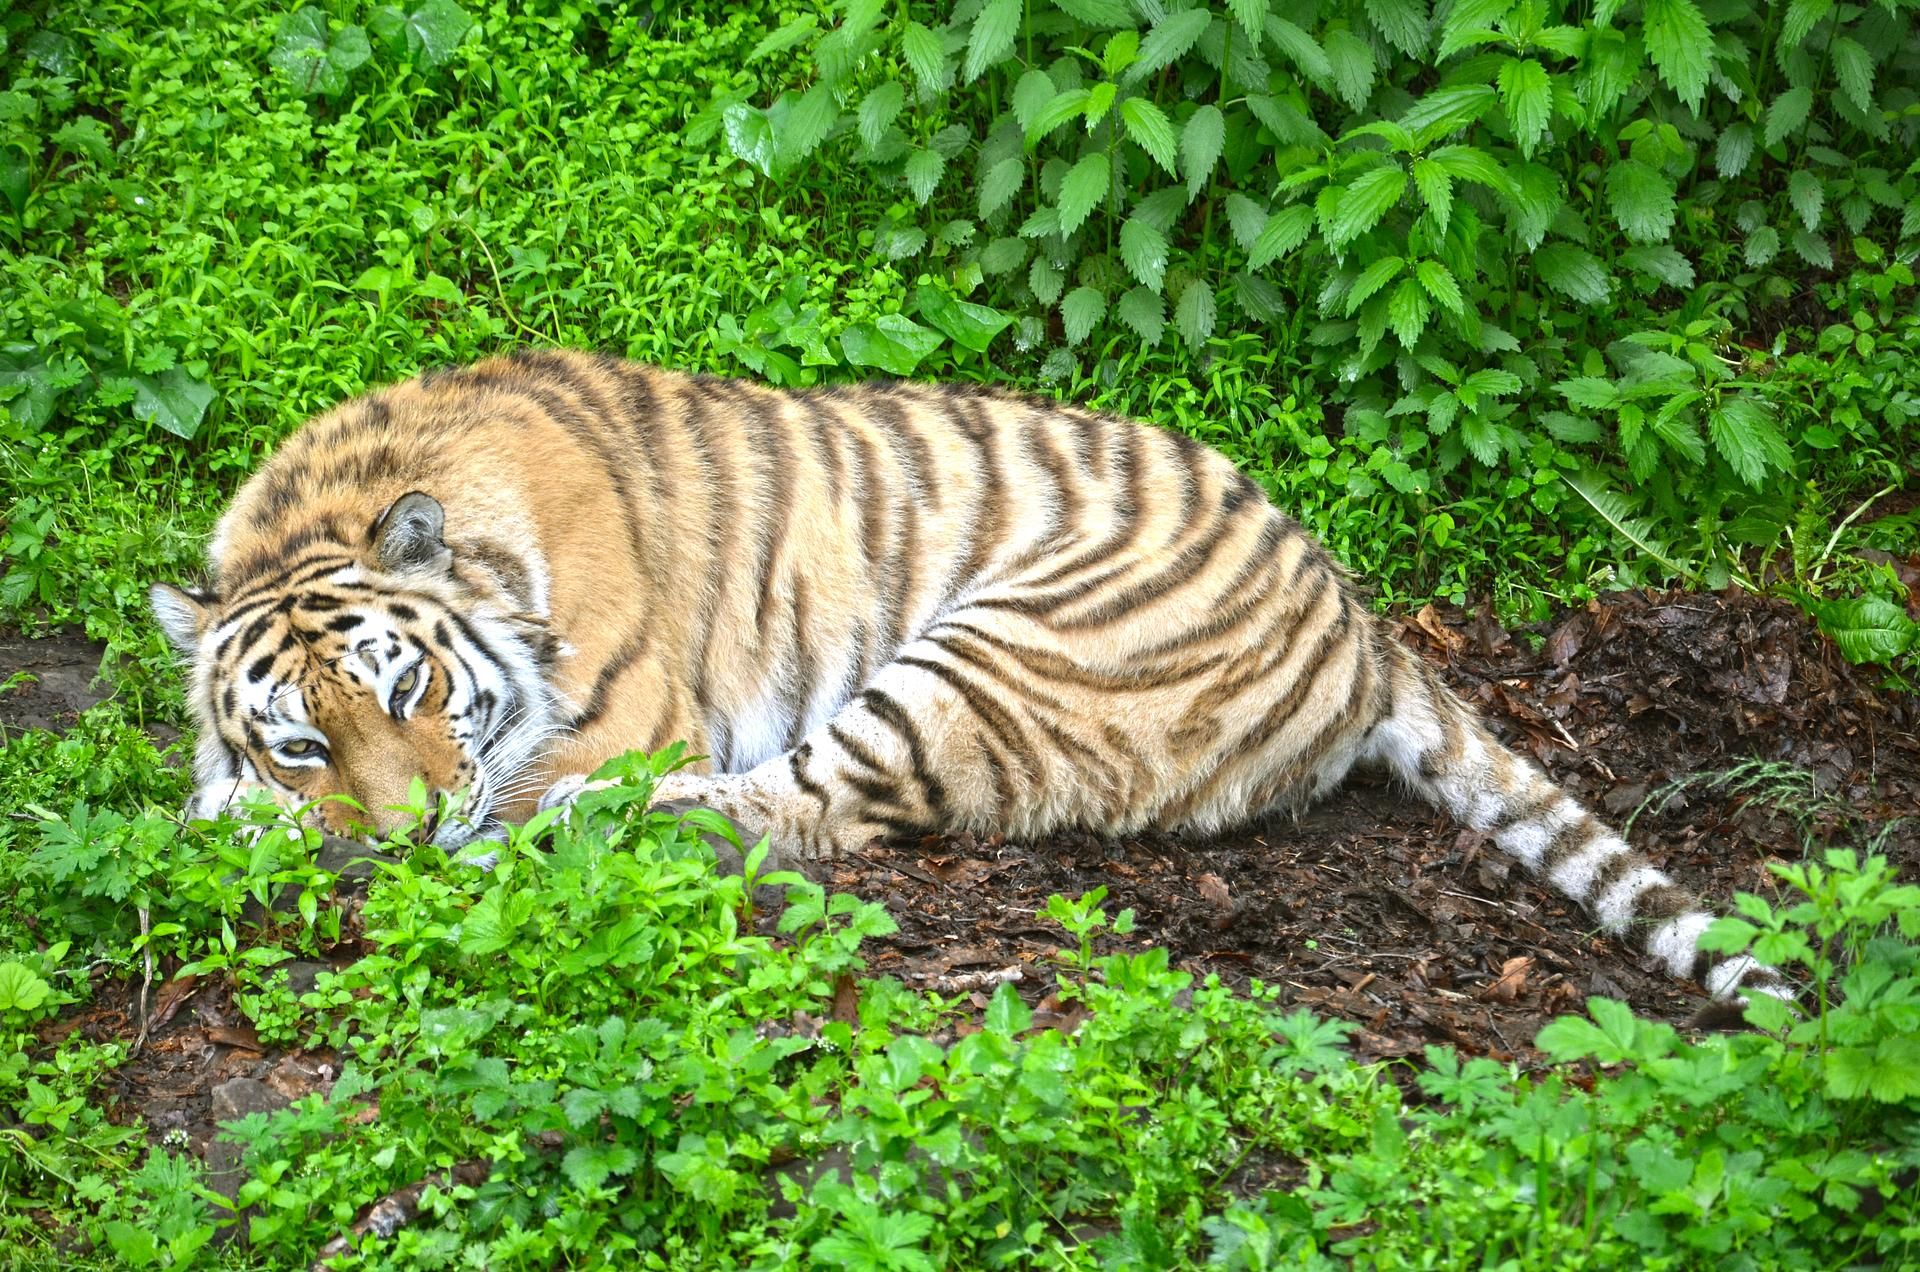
238, 1097
232, 1100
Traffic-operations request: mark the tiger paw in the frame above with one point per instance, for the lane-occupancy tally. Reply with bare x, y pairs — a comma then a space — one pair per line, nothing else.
570, 788
729, 857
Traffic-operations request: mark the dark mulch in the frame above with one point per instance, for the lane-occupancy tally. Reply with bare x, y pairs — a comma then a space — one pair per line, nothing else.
1378, 909
1370, 907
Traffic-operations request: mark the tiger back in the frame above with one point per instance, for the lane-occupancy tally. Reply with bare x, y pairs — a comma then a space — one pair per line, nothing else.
873, 609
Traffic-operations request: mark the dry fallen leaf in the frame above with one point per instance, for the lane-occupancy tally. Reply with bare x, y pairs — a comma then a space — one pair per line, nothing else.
1513, 980
172, 996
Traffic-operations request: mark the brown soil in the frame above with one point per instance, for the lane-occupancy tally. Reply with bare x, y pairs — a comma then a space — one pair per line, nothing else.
1371, 907
59, 679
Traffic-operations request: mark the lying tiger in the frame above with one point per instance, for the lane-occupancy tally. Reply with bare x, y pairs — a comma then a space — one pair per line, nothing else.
875, 609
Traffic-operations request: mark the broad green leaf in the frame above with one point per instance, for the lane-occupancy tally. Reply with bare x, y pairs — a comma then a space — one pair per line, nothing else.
1528, 98
925, 56
1145, 311
1734, 150
1744, 433
1031, 93
21, 988
1003, 254
750, 137
1083, 190
1194, 315
1641, 199
1407, 312
1080, 311
16, 179
1200, 144
587, 1166
1469, 23
1286, 121
431, 32
1867, 628
315, 58
804, 123
1761, 246
891, 342
1143, 249
1104, 14
1787, 114
1372, 279
1853, 67
1246, 219
1045, 281
1680, 45
1362, 204
1000, 184
968, 325
1574, 273
1448, 110
1436, 190
991, 37
1251, 15
1808, 196
1488, 383
1468, 163
1439, 283
1069, 104
88, 136
1007, 1014
1674, 424
1299, 48
923, 173
1662, 262
1351, 60
1482, 438
878, 110
1169, 41
1147, 124
1404, 23
1801, 17
23, 369
1284, 231
1812, 248
785, 37
1099, 102
173, 399
1573, 429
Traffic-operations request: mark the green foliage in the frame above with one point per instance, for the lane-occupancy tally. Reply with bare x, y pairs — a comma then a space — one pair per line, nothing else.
647, 1077
1589, 203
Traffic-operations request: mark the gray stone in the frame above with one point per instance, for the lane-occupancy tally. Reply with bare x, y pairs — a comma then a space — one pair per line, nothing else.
238, 1097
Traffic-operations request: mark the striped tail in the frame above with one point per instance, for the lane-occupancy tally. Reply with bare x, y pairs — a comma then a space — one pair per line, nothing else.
1438, 744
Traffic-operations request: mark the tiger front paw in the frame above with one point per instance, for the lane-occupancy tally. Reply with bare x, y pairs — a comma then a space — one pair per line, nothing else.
564, 792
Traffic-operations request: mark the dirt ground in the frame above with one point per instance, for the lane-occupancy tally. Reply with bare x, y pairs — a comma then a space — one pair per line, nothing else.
1370, 907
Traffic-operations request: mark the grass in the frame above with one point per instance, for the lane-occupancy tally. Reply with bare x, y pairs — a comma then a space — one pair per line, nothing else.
199, 256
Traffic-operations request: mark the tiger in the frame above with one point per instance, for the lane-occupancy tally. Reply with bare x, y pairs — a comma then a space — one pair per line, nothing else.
868, 609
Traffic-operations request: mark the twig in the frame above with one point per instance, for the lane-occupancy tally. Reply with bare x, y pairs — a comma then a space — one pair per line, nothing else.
397, 1209
965, 982
146, 983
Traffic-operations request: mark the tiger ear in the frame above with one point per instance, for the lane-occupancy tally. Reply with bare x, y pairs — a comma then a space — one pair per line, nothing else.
181, 615
406, 539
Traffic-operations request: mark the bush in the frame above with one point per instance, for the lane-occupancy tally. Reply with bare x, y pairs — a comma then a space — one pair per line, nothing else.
1597, 213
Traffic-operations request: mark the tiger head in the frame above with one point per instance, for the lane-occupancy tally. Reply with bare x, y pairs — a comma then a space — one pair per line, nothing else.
351, 669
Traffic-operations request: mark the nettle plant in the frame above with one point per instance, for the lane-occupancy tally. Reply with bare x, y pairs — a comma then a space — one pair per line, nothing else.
1468, 196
